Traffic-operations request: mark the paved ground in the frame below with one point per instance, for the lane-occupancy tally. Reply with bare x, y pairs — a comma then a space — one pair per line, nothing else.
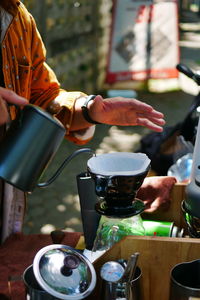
57, 206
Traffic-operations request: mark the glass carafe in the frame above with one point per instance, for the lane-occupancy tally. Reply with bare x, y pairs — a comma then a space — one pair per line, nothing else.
112, 230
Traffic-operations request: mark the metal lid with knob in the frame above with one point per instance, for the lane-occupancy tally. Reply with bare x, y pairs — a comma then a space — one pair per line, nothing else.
64, 272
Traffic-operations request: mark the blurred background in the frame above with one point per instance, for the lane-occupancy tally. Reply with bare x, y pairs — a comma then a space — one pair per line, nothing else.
77, 36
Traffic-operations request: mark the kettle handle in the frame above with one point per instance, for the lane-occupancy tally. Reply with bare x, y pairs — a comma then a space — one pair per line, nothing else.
66, 161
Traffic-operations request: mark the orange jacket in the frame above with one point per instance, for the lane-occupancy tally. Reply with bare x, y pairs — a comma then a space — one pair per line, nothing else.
26, 72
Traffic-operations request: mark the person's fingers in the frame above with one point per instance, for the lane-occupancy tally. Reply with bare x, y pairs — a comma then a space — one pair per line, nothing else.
144, 108
129, 104
126, 112
3, 112
159, 121
137, 105
147, 123
11, 97
157, 114
158, 203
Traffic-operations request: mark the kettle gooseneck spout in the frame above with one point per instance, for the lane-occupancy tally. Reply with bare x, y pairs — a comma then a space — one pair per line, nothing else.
30, 143
66, 161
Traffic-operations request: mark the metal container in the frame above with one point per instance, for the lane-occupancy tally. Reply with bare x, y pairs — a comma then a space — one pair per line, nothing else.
135, 286
28, 147
111, 273
33, 289
30, 143
162, 228
185, 281
59, 272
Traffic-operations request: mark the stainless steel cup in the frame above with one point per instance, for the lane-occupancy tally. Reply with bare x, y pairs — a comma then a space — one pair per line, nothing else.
185, 281
33, 289
134, 288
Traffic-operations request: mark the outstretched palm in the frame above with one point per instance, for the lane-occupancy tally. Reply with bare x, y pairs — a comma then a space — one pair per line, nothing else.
126, 112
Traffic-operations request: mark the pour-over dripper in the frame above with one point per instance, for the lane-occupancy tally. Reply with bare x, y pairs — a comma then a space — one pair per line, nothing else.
117, 177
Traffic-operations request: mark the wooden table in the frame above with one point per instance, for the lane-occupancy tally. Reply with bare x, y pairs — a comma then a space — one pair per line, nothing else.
158, 255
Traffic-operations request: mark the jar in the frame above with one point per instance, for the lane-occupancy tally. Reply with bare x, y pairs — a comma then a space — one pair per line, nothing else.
112, 230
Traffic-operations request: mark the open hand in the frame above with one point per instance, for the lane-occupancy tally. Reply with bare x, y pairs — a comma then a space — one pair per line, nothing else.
125, 112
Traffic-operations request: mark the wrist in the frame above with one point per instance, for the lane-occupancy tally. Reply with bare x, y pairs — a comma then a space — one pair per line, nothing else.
85, 110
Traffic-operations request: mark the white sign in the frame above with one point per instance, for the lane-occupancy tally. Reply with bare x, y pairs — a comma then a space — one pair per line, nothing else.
144, 40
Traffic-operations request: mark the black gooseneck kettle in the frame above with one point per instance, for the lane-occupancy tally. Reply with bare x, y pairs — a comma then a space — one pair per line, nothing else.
28, 147
31, 142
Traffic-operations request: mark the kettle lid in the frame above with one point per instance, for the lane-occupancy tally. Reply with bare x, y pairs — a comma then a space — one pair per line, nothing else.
64, 272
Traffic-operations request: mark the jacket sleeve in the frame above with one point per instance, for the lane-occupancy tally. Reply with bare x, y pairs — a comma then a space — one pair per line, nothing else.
45, 88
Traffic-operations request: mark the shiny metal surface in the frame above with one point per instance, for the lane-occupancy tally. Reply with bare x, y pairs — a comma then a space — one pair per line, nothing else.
134, 287
30, 143
185, 281
111, 273
64, 272
33, 289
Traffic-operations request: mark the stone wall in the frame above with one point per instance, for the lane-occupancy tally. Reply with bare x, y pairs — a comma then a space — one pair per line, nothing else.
75, 34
